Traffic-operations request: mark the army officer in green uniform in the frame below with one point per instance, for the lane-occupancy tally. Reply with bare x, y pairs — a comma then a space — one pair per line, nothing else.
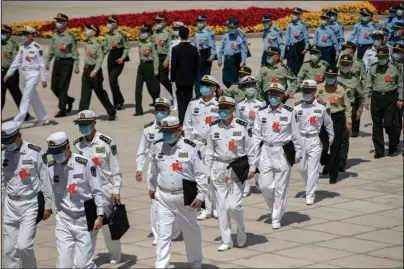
92, 74
63, 48
117, 46
384, 88
350, 80
398, 57
236, 91
148, 69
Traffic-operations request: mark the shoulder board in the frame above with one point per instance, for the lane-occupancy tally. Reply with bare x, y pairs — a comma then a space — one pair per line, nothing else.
276, 28
81, 160
51, 163
158, 141
77, 140
263, 108
215, 122
322, 102
374, 63
189, 142
324, 63
395, 63
241, 122
33, 147
105, 139
37, 46
195, 98
44, 159
289, 108
149, 124
342, 85
298, 103
121, 32
286, 67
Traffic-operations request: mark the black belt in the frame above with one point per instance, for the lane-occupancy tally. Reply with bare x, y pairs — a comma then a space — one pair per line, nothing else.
384, 93
63, 59
204, 49
89, 66
338, 113
235, 54
144, 62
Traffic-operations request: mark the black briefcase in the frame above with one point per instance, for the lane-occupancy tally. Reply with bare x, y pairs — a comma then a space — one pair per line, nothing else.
190, 189
290, 152
90, 209
118, 222
240, 167
41, 207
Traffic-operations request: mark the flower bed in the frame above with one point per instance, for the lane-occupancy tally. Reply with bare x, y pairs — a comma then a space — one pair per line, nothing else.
382, 7
250, 20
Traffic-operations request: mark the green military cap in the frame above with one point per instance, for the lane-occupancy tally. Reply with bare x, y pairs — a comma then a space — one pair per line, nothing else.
245, 70
331, 71
273, 50
146, 27
61, 17
315, 48
350, 44
346, 59
6, 28
382, 52
398, 47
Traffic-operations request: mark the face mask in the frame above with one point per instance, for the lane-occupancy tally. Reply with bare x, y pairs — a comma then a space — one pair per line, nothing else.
330, 81
88, 33
159, 26
170, 138
396, 56
176, 33
205, 90
24, 37
333, 18
345, 69
324, 22
109, 26
231, 31
3, 37
400, 13
250, 92
266, 25
200, 25
60, 157
224, 114
377, 43
383, 61
144, 35
314, 58
59, 25
274, 100
160, 115
270, 60
307, 96
397, 33
11, 147
85, 129
364, 19
295, 17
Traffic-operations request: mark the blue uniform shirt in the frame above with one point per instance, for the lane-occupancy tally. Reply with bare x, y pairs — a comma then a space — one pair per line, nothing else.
339, 32
296, 32
388, 23
205, 39
325, 37
273, 38
362, 34
394, 40
232, 44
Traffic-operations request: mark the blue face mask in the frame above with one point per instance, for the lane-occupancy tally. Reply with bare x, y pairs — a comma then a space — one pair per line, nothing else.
231, 30
144, 35
11, 147
274, 100
60, 157
109, 26
3, 37
176, 33
364, 19
160, 115
85, 129
159, 26
295, 17
88, 32
307, 97
200, 25
59, 25
333, 18
205, 90
224, 114
266, 25
170, 138
270, 60
24, 37
330, 81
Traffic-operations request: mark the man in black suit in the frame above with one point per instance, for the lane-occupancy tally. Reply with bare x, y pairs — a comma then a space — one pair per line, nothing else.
184, 66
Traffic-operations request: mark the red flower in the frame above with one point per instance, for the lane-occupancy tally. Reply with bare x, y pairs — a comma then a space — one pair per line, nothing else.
381, 6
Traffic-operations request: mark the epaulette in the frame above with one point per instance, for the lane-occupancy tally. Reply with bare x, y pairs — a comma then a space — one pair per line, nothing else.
215, 122
78, 140
189, 142
121, 32
263, 108
374, 64
51, 163
149, 124
158, 141
322, 102
241, 122
276, 28
195, 98
44, 159
289, 108
395, 64
81, 160
33, 147
286, 67
342, 85
299, 102
324, 63
36, 45
105, 139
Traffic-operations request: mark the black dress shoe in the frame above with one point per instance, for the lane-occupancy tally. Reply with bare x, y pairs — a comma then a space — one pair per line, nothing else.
151, 104
119, 106
61, 114
112, 116
138, 114
342, 169
392, 152
325, 170
28, 117
354, 135
333, 181
70, 105
378, 156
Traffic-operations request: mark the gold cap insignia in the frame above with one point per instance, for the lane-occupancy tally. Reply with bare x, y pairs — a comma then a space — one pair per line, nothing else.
242, 68
205, 78
330, 70
345, 58
397, 45
249, 78
306, 84
51, 143
161, 100
223, 99
82, 116
275, 85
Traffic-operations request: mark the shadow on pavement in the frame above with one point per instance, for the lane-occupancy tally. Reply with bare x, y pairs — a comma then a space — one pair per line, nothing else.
126, 262
288, 218
188, 265
320, 195
125, 106
364, 134
51, 122
355, 161
252, 239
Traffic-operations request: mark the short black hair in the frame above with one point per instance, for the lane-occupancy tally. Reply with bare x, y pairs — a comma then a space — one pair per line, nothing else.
184, 32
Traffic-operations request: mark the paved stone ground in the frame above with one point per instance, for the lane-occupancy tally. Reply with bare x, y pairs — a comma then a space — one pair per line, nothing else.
357, 223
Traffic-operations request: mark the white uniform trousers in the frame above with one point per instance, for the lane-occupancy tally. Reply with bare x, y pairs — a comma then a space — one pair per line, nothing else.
310, 164
30, 96
274, 180
71, 232
210, 199
170, 206
19, 232
229, 200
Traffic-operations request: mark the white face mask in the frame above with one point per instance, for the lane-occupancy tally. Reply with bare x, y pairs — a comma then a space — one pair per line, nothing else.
250, 92
383, 61
333, 18
324, 22
377, 43
314, 58
396, 56
400, 12
345, 69
295, 17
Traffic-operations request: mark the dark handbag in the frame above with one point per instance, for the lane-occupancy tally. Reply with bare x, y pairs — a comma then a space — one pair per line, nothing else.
41, 207
290, 152
90, 209
118, 222
190, 189
241, 168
